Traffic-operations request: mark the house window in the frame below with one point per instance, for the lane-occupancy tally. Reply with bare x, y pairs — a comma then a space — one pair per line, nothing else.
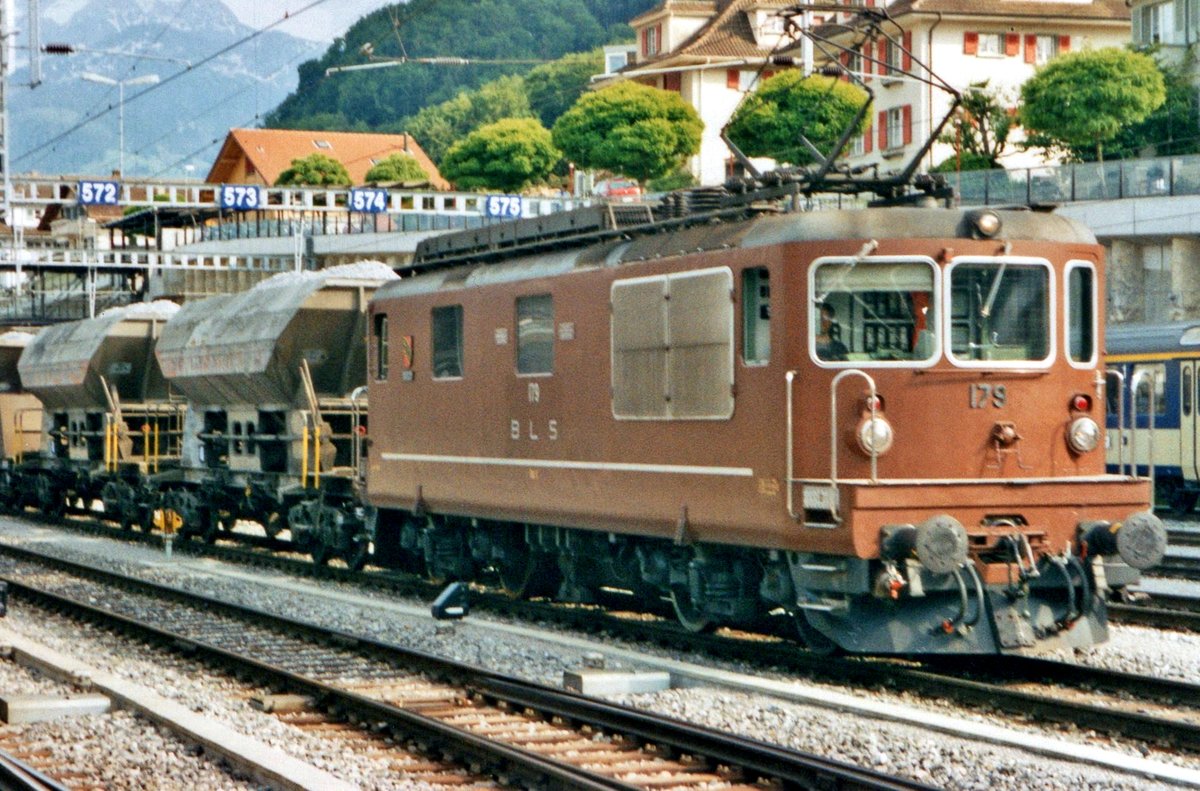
892, 57
854, 62
895, 127
381, 346
535, 334
1045, 49
322, 144
991, 45
1152, 24
651, 40
447, 342
616, 60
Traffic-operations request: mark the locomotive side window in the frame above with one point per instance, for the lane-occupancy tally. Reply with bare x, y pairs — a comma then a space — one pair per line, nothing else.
672, 346
447, 342
873, 310
756, 316
1000, 311
535, 334
1081, 313
381, 346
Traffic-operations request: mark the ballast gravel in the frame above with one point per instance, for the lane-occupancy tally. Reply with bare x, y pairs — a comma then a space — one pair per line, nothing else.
938, 759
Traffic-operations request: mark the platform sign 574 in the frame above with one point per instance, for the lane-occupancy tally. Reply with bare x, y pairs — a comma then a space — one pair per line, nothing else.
240, 197
370, 200
98, 193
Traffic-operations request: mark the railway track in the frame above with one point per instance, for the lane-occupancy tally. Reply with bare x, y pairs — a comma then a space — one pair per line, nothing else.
524, 734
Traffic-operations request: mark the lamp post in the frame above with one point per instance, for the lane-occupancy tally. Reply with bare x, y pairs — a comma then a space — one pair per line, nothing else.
145, 79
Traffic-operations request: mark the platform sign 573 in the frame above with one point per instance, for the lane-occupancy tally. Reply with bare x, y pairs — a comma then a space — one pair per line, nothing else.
240, 197
98, 193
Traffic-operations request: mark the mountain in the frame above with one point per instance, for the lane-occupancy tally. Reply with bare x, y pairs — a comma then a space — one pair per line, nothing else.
174, 129
499, 36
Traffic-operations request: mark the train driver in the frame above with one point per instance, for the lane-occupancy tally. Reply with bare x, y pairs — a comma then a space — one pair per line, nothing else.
829, 338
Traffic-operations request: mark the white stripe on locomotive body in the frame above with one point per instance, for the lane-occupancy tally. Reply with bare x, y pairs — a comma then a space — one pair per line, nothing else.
565, 464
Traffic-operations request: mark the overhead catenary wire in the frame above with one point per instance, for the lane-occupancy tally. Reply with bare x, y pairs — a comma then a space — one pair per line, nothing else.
168, 80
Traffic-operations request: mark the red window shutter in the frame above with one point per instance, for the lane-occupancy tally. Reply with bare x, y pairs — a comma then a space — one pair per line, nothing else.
1012, 44
658, 39
768, 74
645, 42
673, 82
970, 43
883, 59
883, 141
1031, 49
731, 79
906, 61
845, 60
1064, 44
868, 142
907, 110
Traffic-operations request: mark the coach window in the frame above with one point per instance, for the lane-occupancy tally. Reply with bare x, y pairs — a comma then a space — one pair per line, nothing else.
1185, 391
1142, 396
873, 310
1000, 312
381, 346
756, 316
535, 334
447, 342
1081, 314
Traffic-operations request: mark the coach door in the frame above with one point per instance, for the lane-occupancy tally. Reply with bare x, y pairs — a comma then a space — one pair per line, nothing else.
1189, 442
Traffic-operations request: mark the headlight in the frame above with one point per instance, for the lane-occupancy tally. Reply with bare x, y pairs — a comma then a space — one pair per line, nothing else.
1084, 435
875, 436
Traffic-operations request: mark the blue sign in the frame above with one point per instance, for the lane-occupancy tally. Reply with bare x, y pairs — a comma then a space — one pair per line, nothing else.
508, 206
241, 197
93, 193
371, 200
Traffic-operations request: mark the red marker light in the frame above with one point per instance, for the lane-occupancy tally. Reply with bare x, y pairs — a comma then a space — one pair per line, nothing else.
1081, 403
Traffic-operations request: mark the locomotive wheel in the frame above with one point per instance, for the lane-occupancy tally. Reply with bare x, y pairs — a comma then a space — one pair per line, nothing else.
814, 640
687, 613
529, 575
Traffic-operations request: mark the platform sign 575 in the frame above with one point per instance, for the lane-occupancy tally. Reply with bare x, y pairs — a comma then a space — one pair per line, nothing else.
506, 206
98, 193
241, 197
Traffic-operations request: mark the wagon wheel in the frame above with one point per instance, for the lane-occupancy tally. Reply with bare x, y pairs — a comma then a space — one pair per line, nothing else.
273, 524
117, 499
529, 574
357, 554
321, 553
686, 611
50, 502
214, 524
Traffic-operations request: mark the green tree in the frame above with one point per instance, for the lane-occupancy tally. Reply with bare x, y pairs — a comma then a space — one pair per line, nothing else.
506, 155
1084, 99
553, 87
631, 129
979, 130
397, 167
314, 170
769, 123
439, 127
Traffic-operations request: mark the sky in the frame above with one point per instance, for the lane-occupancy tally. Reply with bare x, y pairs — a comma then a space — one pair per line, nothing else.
324, 22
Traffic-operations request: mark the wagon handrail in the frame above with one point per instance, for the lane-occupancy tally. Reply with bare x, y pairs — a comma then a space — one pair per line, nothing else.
1119, 375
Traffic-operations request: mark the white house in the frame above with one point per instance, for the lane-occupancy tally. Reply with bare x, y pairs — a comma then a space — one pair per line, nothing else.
711, 52
965, 42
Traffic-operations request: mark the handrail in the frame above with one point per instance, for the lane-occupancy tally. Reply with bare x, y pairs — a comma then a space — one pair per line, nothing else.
1138, 378
790, 378
356, 413
1119, 375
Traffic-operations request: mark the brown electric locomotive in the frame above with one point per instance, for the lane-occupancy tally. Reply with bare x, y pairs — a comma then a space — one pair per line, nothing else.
886, 423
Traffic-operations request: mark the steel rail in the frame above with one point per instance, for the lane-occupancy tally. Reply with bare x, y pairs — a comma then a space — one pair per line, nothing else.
793, 768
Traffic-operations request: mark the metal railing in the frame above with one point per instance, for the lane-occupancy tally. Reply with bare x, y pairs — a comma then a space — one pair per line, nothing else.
1087, 181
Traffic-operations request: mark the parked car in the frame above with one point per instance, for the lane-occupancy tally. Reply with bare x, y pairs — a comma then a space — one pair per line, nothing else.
618, 189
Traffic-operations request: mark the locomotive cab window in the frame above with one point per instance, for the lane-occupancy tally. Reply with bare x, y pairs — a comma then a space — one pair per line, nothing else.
874, 310
535, 334
1081, 314
756, 316
1000, 312
447, 342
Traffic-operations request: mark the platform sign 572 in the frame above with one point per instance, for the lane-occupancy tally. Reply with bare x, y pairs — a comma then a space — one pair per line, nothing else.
98, 193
